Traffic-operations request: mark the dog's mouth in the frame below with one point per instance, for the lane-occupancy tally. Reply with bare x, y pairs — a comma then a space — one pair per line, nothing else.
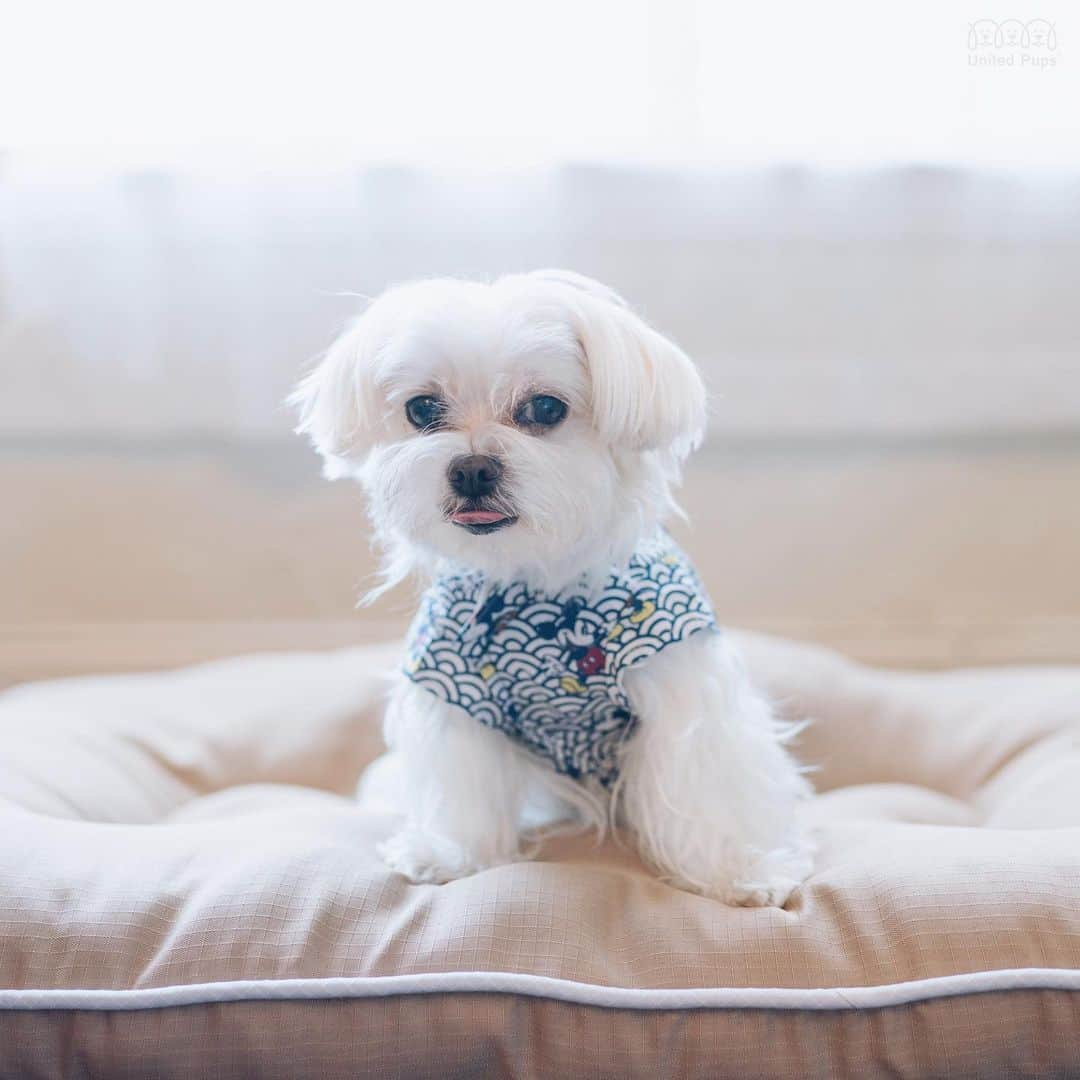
480, 522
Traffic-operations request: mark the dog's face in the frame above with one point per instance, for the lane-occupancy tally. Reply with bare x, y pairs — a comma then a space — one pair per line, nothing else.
509, 427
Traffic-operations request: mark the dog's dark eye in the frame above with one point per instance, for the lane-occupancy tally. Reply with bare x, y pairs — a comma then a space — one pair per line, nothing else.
425, 412
541, 411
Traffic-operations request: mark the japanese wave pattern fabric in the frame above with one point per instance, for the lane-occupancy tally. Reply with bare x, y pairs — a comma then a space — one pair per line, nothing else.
548, 670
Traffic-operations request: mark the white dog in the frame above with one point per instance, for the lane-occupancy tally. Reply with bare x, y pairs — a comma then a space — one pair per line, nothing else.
518, 443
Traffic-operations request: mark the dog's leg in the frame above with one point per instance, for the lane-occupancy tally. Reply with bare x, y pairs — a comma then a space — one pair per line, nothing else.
462, 790
707, 784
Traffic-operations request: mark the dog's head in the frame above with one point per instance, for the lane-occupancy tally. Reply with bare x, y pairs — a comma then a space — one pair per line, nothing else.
527, 427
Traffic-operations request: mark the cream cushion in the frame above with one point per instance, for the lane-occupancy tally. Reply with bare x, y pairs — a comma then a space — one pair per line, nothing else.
187, 888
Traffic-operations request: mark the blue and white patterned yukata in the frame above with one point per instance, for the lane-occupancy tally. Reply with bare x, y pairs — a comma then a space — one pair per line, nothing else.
548, 670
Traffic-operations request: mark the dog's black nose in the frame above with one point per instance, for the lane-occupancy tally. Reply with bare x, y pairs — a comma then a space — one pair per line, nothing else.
474, 475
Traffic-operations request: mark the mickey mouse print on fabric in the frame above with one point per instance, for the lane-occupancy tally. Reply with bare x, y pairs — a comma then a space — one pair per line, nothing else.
547, 669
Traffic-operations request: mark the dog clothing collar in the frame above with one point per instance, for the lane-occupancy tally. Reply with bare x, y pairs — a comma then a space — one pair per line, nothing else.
548, 670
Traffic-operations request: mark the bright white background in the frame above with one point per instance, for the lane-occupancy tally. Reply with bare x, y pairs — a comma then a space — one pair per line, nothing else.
845, 82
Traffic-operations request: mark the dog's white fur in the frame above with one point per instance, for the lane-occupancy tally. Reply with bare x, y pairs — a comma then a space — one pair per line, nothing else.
706, 784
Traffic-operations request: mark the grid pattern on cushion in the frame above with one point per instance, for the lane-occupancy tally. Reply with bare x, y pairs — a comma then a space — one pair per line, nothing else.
194, 827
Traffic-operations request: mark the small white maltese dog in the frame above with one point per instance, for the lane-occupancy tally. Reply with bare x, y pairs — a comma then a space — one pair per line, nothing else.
518, 443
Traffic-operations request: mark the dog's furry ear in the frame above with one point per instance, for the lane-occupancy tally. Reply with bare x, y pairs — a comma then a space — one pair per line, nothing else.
646, 392
336, 402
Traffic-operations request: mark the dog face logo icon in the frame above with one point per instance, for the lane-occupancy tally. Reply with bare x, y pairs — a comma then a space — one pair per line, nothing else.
982, 34
1011, 34
1041, 34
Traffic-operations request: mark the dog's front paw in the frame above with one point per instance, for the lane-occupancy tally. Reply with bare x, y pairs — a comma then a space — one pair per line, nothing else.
766, 881
771, 881
423, 857
770, 892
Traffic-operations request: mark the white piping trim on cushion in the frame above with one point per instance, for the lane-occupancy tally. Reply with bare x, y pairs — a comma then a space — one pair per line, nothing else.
608, 997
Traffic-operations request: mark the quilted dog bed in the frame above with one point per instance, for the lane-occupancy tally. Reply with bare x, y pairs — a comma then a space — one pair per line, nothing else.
186, 889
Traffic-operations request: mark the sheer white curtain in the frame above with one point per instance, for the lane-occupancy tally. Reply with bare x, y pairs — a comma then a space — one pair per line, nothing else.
904, 301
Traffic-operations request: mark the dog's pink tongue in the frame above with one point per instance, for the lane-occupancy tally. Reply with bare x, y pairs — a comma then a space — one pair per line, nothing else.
477, 517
